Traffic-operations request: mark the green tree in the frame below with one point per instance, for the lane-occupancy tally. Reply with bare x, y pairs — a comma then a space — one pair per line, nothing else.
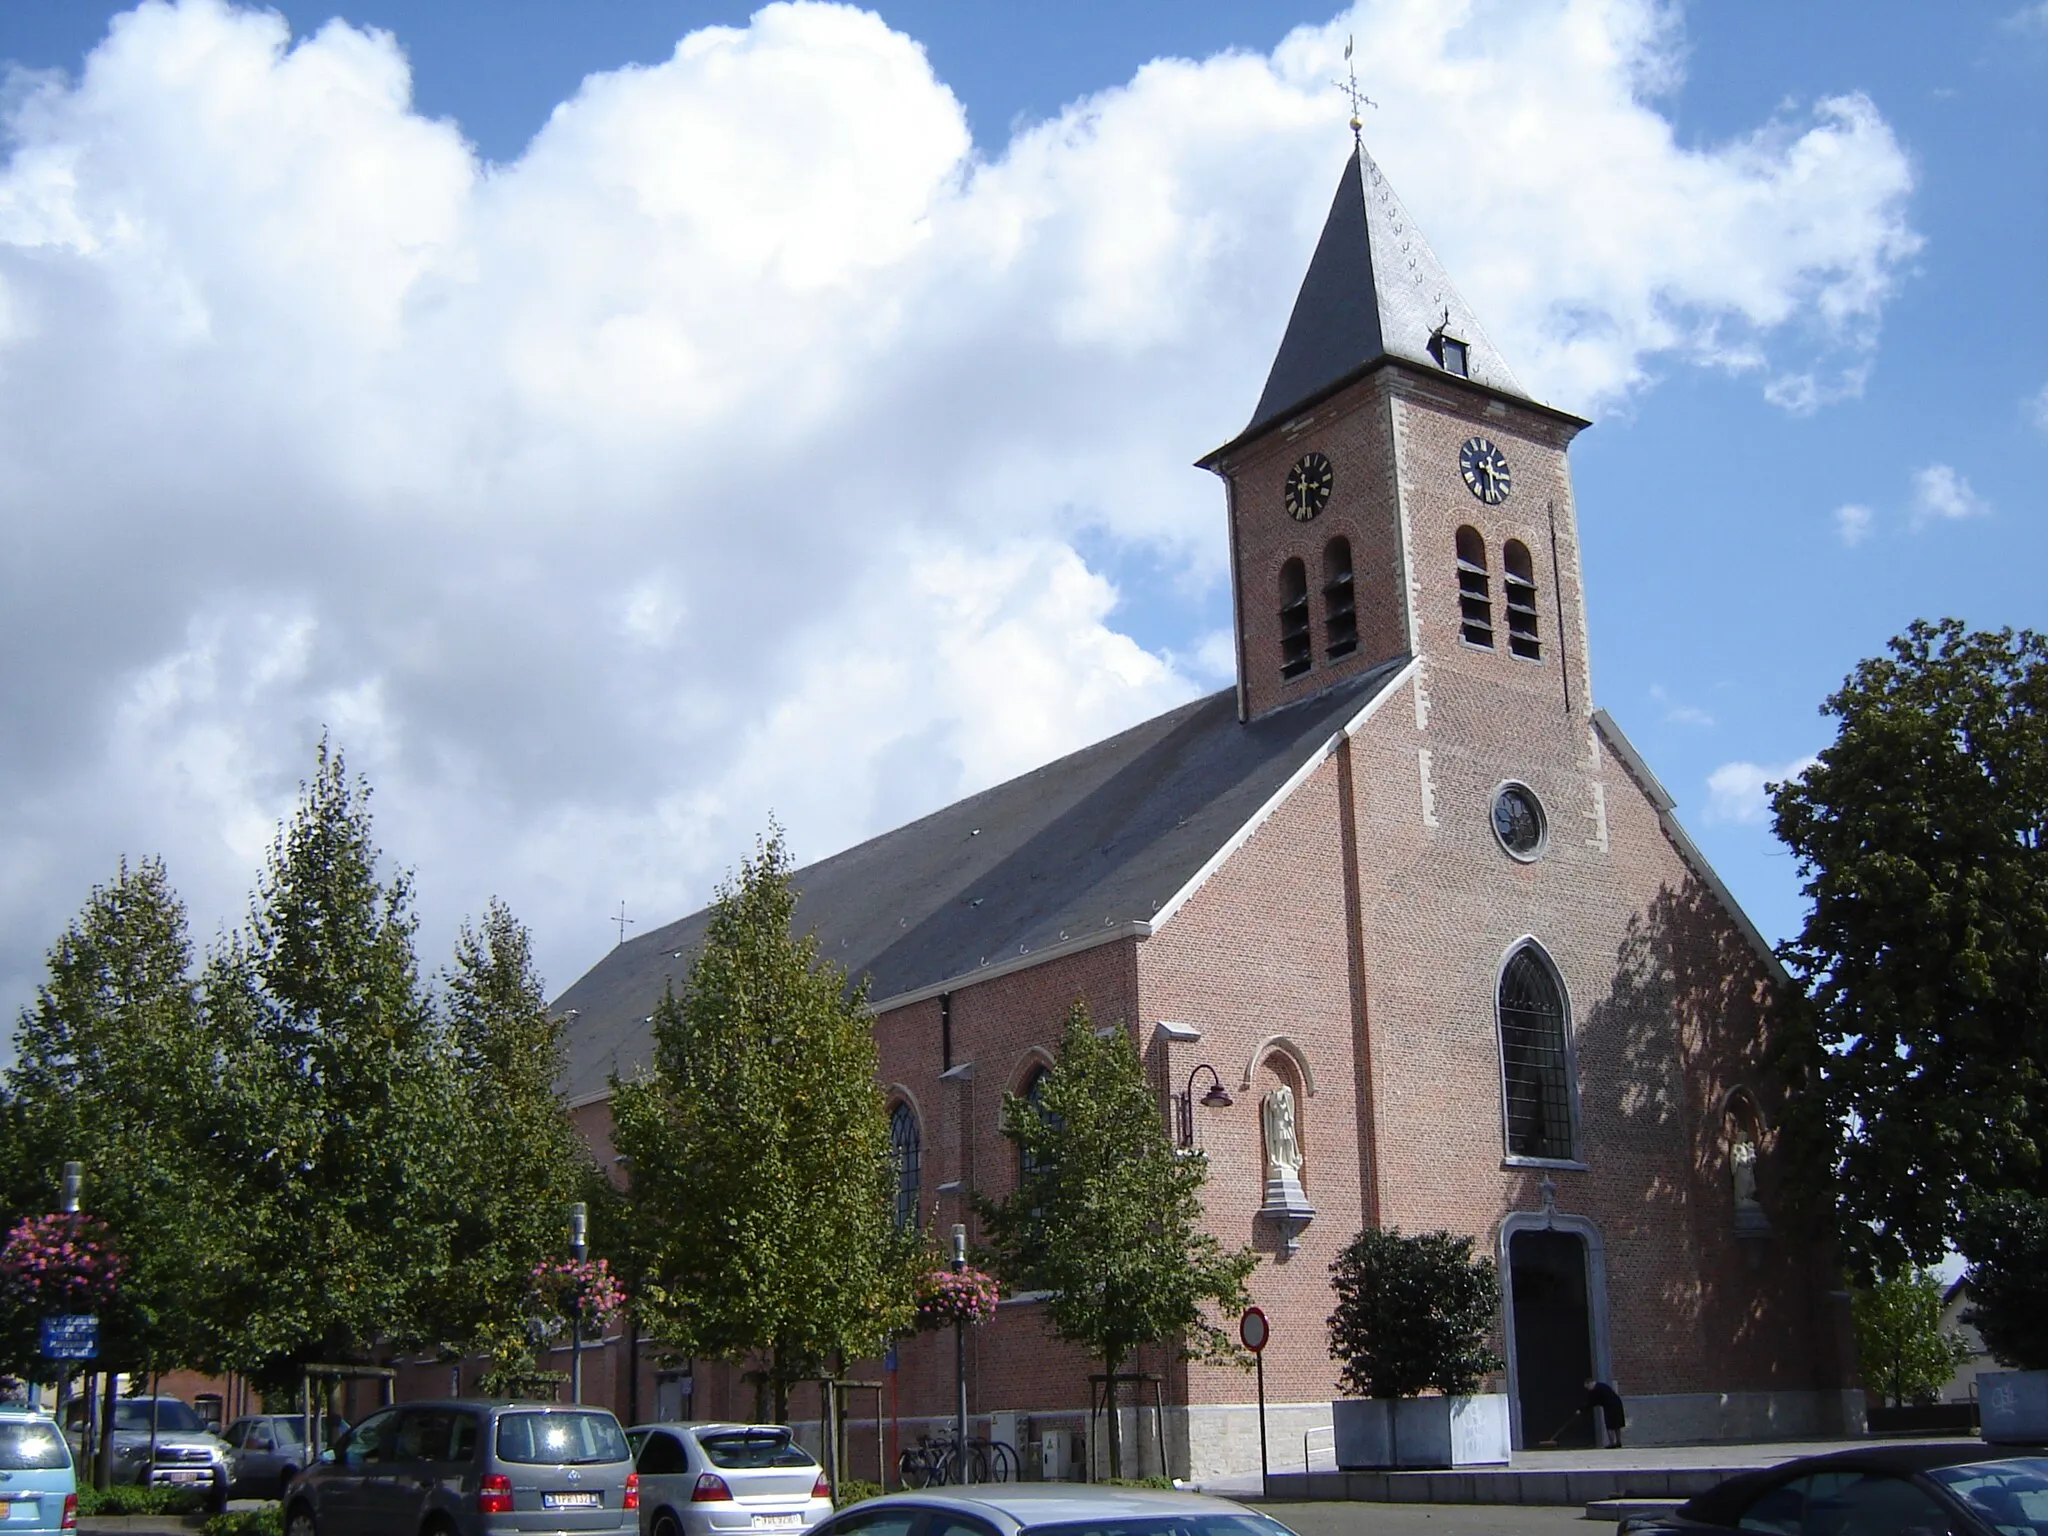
353, 1140
520, 1160
1906, 1353
761, 1192
1922, 1045
1106, 1216
1413, 1314
115, 1070
2005, 1238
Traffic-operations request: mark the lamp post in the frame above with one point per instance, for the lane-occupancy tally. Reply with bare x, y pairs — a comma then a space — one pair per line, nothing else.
1184, 1104
960, 1357
579, 1246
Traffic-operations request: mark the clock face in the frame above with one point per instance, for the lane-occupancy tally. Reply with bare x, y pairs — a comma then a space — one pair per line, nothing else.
1308, 487
1485, 469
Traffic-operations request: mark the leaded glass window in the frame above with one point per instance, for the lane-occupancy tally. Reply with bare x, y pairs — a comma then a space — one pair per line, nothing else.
1535, 1065
906, 1149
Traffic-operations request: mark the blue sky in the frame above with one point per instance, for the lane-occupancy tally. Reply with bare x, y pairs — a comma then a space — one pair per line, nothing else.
566, 578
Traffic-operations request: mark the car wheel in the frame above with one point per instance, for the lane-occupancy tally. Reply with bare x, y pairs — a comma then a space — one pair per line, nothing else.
665, 1525
300, 1523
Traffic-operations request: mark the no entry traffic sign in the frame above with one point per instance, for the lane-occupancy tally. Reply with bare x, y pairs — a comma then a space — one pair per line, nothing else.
1253, 1329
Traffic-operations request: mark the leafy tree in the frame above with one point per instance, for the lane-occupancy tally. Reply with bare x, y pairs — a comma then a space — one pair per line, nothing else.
519, 1158
354, 1130
115, 1071
1922, 833
2005, 1238
1106, 1216
1906, 1353
1413, 1313
761, 1199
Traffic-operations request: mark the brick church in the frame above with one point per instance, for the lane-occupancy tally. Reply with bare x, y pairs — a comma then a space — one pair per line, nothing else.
1404, 892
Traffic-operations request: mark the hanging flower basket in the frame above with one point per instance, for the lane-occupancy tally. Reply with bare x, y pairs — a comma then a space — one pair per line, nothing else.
60, 1263
945, 1298
565, 1288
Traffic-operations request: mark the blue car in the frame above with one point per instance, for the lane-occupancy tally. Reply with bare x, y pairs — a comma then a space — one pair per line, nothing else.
38, 1488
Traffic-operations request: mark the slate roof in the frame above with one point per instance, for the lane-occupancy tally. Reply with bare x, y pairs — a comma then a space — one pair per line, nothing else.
1374, 290
1099, 840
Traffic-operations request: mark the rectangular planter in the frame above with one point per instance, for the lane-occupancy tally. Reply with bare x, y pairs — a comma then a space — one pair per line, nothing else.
1421, 1431
2013, 1406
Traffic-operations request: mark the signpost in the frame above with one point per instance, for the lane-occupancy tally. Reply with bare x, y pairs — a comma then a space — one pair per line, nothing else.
1254, 1330
71, 1337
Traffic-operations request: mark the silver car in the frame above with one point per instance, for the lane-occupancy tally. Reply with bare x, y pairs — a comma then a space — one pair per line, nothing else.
701, 1479
187, 1454
265, 1452
1048, 1509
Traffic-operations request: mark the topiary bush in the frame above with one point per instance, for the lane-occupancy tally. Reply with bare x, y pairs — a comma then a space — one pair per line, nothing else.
1413, 1314
852, 1490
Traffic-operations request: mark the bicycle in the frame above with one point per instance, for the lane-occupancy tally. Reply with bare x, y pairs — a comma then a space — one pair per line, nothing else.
937, 1463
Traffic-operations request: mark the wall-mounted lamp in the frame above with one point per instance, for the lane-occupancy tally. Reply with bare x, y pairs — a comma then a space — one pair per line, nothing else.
1184, 1103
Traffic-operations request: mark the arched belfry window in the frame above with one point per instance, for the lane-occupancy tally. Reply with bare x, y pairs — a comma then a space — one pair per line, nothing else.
1294, 638
1340, 607
1475, 592
1518, 586
1535, 1061
906, 1151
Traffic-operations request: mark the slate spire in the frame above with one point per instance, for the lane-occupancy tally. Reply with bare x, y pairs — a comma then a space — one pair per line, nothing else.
1374, 290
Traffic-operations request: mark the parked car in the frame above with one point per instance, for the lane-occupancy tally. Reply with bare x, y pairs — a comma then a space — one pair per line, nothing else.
469, 1467
38, 1486
265, 1452
1048, 1509
701, 1478
1965, 1488
187, 1454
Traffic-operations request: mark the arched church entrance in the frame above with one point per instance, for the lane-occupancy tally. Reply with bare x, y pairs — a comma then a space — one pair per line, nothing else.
1553, 1335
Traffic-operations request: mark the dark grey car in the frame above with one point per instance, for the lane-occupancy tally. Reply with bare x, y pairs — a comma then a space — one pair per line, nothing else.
468, 1467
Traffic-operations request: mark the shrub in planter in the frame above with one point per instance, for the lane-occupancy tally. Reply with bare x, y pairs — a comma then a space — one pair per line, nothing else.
132, 1499
267, 1521
1413, 1315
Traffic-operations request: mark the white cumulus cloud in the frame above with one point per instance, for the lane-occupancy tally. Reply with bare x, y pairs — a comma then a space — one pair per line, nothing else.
733, 449
2037, 408
1940, 494
1852, 524
1735, 791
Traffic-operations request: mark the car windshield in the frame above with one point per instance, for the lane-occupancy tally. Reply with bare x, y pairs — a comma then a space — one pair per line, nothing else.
31, 1446
1193, 1523
2012, 1495
172, 1416
552, 1439
749, 1449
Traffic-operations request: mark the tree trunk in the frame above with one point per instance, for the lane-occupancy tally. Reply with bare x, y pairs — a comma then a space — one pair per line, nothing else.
1116, 1443
778, 1385
103, 1453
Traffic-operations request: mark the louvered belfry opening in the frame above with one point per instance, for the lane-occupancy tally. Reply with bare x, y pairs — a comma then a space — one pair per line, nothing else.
906, 1151
1534, 1066
1519, 588
1340, 606
1294, 637
1475, 591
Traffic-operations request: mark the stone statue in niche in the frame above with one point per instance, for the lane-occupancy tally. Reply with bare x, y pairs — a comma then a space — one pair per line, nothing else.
1283, 1150
1286, 1202
1749, 1211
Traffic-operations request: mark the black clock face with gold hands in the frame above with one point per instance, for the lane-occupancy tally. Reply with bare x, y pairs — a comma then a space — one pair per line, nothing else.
1485, 469
1308, 487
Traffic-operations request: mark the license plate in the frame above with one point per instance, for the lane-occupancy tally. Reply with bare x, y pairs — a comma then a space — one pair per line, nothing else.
6, 1509
181, 1475
778, 1522
571, 1501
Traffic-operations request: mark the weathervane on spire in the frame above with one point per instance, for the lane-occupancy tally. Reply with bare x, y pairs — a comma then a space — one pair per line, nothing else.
1358, 98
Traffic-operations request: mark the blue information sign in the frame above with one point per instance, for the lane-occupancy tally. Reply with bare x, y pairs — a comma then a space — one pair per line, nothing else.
75, 1337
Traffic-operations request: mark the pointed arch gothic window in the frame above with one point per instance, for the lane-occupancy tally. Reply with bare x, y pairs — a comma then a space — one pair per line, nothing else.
906, 1151
1518, 586
1340, 606
1475, 590
1294, 637
1034, 1095
1535, 1058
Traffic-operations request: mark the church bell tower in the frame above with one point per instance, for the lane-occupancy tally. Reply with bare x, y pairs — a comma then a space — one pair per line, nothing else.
1397, 493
